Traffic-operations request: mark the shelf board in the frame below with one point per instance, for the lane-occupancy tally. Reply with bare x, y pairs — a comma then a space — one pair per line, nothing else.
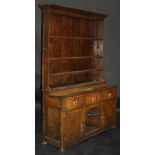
80, 38
76, 72
84, 57
90, 129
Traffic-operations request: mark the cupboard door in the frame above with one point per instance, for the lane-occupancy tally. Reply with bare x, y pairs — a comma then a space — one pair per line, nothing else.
74, 125
108, 114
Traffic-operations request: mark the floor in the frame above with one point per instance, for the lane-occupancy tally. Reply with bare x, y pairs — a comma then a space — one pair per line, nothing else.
107, 143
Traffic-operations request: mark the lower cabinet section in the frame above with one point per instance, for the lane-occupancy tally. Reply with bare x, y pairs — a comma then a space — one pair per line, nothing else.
78, 117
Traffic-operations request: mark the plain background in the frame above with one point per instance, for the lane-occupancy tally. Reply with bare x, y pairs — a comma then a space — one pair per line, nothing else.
17, 77
111, 36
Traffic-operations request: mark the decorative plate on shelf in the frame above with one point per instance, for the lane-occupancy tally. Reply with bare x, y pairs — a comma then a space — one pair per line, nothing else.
98, 48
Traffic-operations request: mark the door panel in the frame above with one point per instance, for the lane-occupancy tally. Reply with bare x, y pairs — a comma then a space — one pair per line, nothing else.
74, 125
108, 115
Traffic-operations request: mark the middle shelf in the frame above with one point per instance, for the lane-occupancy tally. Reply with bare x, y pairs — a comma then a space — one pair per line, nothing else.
76, 72
75, 37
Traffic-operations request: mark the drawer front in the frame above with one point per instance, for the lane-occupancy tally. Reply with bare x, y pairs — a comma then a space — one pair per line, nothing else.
73, 102
93, 98
109, 93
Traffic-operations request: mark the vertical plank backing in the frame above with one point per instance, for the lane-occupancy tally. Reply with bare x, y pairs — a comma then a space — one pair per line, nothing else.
66, 26
56, 25
66, 48
75, 27
100, 29
78, 30
75, 48
55, 48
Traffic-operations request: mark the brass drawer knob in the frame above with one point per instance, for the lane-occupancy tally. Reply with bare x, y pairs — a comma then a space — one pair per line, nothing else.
75, 103
94, 99
109, 95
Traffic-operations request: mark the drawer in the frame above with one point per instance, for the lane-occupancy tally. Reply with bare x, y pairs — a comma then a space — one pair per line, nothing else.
109, 93
93, 98
73, 102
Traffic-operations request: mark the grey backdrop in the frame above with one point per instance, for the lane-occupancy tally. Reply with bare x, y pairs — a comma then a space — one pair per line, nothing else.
111, 36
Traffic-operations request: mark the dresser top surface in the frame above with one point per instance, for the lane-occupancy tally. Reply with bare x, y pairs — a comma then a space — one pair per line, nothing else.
76, 91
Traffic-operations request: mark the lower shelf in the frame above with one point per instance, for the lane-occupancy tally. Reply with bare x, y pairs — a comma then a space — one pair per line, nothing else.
91, 133
90, 130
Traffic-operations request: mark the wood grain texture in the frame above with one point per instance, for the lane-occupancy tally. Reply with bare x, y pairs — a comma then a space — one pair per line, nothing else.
53, 125
109, 93
76, 103
109, 113
73, 102
73, 125
66, 35
93, 98
52, 101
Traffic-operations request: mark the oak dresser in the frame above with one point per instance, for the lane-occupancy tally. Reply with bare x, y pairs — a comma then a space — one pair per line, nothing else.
76, 103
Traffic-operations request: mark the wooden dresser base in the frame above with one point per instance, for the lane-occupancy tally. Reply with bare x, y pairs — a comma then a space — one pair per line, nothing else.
76, 104
71, 118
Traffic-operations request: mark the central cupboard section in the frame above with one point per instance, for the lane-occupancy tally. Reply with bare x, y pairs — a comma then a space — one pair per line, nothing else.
82, 116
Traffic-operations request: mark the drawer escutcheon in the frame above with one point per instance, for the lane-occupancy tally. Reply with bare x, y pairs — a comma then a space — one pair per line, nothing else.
75, 103
110, 94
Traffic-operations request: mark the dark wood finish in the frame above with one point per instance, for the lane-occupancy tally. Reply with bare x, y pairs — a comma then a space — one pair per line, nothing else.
53, 125
73, 102
108, 108
74, 123
93, 98
76, 103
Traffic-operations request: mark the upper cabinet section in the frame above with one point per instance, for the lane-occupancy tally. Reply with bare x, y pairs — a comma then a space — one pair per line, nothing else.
72, 44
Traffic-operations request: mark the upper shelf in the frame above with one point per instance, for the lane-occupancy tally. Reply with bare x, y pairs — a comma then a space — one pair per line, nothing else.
80, 38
